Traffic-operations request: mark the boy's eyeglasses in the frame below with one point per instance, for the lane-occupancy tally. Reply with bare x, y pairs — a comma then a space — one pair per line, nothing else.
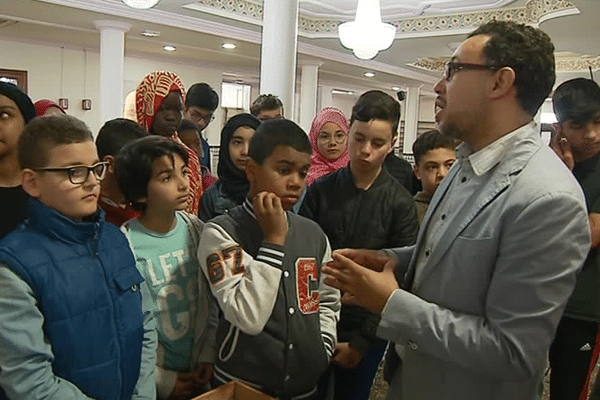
453, 67
79, 174
197, 117
337, 138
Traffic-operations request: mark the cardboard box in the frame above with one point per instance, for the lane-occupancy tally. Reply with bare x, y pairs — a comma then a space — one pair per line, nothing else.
234, 391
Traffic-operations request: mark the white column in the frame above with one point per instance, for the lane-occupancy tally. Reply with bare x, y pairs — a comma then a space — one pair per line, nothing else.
411, 118
278, 52
112, 54
326, 99
308, 94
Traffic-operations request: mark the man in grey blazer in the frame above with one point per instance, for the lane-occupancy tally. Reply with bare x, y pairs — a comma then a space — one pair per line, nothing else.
474, 304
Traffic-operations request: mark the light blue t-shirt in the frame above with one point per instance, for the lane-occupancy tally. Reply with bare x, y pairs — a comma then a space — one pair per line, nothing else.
168, 263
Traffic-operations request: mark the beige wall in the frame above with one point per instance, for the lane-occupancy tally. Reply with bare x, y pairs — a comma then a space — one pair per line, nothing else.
43, 65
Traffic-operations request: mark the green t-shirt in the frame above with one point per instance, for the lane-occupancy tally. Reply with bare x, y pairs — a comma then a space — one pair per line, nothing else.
585, 301
168, 263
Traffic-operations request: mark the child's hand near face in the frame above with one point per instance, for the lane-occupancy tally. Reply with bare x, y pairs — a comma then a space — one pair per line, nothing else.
562, 148
271, 217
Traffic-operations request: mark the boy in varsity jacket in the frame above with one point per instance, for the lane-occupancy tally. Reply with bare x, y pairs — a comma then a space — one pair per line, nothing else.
264, 267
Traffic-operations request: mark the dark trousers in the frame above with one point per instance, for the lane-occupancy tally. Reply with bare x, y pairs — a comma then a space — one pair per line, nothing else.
354, 383
570, 356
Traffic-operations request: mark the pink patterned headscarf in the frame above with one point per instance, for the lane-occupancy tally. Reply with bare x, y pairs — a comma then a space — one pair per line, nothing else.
319, 164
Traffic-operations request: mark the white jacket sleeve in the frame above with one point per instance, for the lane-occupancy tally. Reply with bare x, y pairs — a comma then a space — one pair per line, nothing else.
329, 308
145, 387
246, 288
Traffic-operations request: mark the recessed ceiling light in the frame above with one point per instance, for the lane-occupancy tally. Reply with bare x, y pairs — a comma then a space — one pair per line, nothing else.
169, 47
150, 33
341, 91
396, 88
229, 46
369, 74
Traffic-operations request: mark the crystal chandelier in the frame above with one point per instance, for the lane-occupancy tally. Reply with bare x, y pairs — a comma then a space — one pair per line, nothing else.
141, 4
367, 35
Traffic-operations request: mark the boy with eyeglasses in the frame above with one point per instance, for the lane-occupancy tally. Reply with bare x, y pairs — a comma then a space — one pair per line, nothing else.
362, 206
201, 102
74, 325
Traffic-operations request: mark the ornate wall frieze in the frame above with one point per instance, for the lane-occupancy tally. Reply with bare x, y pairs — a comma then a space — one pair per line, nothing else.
534, 12
563, 64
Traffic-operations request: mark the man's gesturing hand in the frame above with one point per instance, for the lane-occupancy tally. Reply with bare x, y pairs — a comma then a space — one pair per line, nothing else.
368, 288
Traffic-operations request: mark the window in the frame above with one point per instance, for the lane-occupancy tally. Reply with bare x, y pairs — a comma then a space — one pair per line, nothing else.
235, 95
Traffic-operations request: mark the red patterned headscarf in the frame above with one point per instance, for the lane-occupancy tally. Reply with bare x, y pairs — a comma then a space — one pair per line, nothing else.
149, 98
319, 164
151, 93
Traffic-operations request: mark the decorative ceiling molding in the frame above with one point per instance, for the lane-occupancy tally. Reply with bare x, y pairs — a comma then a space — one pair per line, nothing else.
118, 9
533, 13
578, 64
431, 64
563, 64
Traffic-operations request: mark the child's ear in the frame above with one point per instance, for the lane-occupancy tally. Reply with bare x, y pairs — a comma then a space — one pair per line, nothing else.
392, 142
30, 183
250, 169
111, 163
417, 172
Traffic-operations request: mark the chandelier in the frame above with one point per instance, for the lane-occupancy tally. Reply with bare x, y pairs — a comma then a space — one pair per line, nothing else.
141, 4
367, 35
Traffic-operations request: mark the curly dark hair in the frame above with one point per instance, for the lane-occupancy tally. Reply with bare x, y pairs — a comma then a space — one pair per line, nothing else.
134, 163
265, 102
529, 52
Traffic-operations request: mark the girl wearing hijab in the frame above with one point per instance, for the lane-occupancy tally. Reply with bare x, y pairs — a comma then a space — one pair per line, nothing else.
232, 187
329, 139
159, 100
16, 110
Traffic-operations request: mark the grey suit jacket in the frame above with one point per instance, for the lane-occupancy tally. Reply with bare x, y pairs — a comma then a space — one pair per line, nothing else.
478, 321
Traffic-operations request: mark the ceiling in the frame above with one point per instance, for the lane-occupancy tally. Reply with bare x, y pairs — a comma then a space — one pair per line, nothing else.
427, 33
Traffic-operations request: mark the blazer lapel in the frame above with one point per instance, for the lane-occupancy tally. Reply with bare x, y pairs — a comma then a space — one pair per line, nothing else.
498, 181
468, 211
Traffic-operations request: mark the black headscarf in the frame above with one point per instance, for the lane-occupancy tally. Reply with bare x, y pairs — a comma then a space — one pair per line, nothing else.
232, 180
20, 98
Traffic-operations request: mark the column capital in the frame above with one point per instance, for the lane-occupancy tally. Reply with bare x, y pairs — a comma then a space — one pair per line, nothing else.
112, 25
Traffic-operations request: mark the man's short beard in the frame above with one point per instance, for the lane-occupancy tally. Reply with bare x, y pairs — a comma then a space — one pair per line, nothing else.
451, 129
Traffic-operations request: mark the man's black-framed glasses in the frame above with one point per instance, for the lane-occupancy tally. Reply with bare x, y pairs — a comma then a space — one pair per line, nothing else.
80, 173
452, 67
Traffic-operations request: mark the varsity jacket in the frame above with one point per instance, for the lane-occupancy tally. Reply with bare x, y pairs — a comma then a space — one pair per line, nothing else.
86, 286
278, 331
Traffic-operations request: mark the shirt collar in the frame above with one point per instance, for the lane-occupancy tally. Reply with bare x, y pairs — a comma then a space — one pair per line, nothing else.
485, 159
249, 207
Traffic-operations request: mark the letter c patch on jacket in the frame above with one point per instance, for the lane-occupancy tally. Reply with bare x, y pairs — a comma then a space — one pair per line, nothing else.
307, 273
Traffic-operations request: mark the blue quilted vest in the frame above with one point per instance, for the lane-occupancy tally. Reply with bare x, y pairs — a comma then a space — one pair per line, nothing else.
86, 283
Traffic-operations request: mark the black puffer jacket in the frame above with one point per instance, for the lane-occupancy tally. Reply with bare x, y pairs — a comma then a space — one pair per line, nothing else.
384, 216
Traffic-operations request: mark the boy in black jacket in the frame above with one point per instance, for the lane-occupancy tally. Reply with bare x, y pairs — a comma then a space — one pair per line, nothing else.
362, 206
